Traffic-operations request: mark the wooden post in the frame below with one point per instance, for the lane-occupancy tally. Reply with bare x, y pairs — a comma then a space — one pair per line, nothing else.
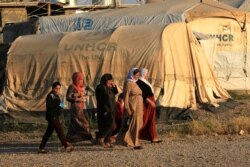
49, 8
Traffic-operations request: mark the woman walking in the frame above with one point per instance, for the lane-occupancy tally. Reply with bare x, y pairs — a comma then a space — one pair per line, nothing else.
133, 111
148, 131
79, 127
106, 107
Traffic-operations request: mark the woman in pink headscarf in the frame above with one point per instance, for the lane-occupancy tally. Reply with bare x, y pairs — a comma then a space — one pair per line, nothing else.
79, 126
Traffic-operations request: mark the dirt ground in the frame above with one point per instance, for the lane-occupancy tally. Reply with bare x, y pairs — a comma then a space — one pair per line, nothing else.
20, 149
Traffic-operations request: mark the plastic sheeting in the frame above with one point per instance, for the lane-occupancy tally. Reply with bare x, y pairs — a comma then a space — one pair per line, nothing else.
156, 13
177, 69
231, 62
216, 19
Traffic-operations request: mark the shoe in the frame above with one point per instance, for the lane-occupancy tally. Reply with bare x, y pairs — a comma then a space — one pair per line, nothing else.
69, 147
156, 141
42, 151
138, 147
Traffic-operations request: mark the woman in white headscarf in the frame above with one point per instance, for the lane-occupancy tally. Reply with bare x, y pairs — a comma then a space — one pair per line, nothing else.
133, 111
148, 131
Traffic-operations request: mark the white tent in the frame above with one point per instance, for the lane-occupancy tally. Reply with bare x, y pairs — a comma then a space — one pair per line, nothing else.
179, 71
228, 24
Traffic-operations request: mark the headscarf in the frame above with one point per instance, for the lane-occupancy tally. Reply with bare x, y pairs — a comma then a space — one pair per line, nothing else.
105, 78
76, 77
144, 72
130, 76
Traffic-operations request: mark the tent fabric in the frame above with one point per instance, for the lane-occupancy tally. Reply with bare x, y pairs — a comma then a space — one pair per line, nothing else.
209, 88
233, 3
162, 13
184, 74
154, 13
215, 19
3, 108
231, 63
240, 4
210, 47
28, 82
175, 67
245, 5
210, 8
90, 22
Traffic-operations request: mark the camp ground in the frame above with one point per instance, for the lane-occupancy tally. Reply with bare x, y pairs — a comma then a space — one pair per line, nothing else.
184, 70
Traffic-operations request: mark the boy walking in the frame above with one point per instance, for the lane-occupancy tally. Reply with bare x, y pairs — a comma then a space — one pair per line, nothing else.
53, 111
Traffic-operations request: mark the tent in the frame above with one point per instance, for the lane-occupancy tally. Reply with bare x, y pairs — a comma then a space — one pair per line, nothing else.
240, 4
216, 19
154, 13
179, 71
231, 28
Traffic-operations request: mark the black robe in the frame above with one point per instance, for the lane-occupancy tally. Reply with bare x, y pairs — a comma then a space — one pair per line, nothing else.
106, 107
146, 90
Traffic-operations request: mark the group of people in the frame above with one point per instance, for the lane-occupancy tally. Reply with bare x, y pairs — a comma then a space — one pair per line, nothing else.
125, 121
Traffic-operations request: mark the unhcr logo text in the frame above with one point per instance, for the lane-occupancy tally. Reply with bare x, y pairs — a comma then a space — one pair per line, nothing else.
94, 46
223, 37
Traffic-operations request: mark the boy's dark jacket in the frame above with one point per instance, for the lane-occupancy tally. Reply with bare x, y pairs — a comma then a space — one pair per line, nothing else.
52, 106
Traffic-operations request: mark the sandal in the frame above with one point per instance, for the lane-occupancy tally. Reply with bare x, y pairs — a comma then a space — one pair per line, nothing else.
156, 141
42, 151
138, 147
102, 143
112, 139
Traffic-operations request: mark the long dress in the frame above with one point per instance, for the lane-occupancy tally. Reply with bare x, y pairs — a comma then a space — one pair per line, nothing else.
148, 131
133, 111
79, 126
106, 106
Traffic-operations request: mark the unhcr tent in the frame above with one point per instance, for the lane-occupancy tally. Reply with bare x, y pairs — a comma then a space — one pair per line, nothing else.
231, 29
154, 13
240, 4
179, 71
245, 5
228, 24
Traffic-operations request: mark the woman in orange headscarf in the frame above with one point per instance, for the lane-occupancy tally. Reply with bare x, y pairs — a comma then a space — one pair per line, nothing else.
79, 126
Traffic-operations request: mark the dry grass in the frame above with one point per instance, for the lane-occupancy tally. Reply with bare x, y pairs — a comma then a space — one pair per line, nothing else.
237, 125
212, 126
239, 95
205, 127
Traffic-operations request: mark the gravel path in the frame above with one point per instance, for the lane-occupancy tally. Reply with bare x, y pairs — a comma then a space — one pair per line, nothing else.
221, 151
20, 149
